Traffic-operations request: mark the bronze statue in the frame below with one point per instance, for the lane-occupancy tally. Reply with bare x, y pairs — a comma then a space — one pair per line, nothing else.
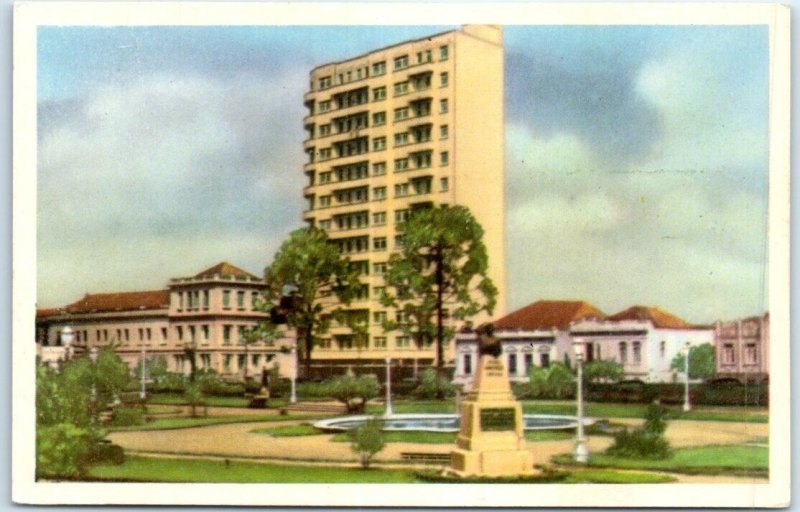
487, 343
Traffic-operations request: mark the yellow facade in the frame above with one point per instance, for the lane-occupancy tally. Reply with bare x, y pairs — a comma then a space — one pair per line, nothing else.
415, 124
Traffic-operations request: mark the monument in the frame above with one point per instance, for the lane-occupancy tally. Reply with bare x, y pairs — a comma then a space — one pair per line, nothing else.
491, 441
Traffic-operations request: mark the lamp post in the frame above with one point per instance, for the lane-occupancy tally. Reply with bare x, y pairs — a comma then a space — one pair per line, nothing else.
581, 450
687, 405
293, 397
143, 390
388, 412
67, 337
93, 353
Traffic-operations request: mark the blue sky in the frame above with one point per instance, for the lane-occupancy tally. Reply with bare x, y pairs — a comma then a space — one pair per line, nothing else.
636, 157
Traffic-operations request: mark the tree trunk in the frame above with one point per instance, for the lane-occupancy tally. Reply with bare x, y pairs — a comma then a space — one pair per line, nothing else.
439, 323
307, 359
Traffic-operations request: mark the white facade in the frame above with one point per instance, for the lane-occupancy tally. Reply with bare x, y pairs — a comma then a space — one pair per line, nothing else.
644, 350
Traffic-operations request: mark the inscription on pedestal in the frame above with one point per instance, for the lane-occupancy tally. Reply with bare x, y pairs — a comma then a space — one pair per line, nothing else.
493, 420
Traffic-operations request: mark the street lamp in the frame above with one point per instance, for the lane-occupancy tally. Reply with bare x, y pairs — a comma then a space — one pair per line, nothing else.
143, 390
293, 397
687, 405
388, 411
581, 450
67, 337
93, 353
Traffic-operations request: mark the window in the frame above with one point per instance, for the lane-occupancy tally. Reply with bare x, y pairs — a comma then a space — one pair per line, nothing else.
402, 342
226, 362
205, 299
378, 94
401, 139
424, 57
204, 330
325, 224
324, 201
379, 68
325, 153
164, 334
750, 354
401, 216
444, 131
379, 218
637, 352
467, 364
226, 334
398, 241
444, 158
443, 52
379, 269
255, 358
240, 335
444, 184
512, 364
422, 159
240, 300
379, 243
254, 300
379, 193
401, 189
378, 118
325, 82
443, 79
443, 106
544, 359
378, 292
401, 164
192, 333
324, 130
241, 361
205, 359
401, 62
324, 106
623, 352
379, 143
401, 88
728, 354
178, 329
662, 349
528, 362
380, 341
378, 317
325, 177
400, 113
379, 168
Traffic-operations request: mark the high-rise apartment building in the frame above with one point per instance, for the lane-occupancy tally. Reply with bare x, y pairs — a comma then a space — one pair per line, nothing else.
413, 125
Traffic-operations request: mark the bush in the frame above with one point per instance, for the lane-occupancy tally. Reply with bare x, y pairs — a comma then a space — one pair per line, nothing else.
216, 387
354, 392
126, 416
432, 386
106, 452
367, 440
62, 451
194, 396
639, 444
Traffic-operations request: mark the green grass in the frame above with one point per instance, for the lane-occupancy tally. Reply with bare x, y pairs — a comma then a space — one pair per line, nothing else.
177, 423
548, 435
619, 410
408, 437
211, 401
146, 469
288, 431
601, 476
713, 460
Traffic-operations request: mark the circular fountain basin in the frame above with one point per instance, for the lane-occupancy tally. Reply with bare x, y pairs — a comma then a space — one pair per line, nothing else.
441, 422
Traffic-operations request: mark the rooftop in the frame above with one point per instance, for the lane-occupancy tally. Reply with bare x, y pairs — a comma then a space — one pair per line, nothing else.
225, 269
659, 318
548, 314
110, 302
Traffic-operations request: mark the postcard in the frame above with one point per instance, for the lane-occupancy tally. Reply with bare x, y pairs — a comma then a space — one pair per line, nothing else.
479, 254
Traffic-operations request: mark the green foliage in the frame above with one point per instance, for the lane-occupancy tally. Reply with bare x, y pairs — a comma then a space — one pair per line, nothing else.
647, 442
702, 362
194, 396
309, 262
443, 263
126, 416
62, 450
353, 391
433, 385
602, 371
367, 441
537, 381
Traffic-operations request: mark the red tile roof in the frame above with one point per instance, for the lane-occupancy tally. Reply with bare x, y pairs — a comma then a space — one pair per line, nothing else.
548, 314
46, 312
225, 269
660, 319
124, 301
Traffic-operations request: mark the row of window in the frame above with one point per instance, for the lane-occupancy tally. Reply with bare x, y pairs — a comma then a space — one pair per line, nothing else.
230, 362
378, 342
420, 186
192, 333
195, 300
379, 68
420, 108
750, 354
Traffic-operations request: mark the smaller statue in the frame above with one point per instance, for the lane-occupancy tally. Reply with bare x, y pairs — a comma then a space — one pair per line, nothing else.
487, 344
264, 378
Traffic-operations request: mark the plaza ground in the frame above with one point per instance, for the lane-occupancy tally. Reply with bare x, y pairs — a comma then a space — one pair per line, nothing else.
240, 442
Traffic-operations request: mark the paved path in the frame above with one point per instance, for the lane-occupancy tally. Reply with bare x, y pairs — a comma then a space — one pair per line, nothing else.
238, 441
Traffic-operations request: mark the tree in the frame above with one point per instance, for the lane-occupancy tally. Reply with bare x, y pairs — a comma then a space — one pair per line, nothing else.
442, 264
702, 362
603, 371
537, 381
367, 440
311, 269
353, 391
264, 331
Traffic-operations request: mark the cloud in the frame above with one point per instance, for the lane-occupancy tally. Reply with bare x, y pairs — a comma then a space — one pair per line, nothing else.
168, 157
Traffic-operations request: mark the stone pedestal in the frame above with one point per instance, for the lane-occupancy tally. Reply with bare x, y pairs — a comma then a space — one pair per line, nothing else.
492, 440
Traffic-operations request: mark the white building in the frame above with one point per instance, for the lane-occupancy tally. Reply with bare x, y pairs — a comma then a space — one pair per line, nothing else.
643, 339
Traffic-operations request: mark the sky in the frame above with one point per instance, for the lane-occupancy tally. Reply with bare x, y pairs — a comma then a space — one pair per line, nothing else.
636, 158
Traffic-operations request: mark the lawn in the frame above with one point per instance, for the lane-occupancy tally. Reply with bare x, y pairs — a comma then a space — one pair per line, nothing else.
619, 410
186, 422
288, 431
211, 401
601, 476
147, 469
711, 460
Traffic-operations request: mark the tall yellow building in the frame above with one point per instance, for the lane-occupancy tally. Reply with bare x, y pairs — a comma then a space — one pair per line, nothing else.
412, 125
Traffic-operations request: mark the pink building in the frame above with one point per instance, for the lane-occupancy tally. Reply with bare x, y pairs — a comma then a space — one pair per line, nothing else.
743, 348
208, 315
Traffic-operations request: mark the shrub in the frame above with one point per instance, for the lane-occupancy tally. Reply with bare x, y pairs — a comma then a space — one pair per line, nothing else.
654, 420
62, 451
106, 452
639, 444
354, 392
194, 396
125, 416
432, 386
367, 440
215, 387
